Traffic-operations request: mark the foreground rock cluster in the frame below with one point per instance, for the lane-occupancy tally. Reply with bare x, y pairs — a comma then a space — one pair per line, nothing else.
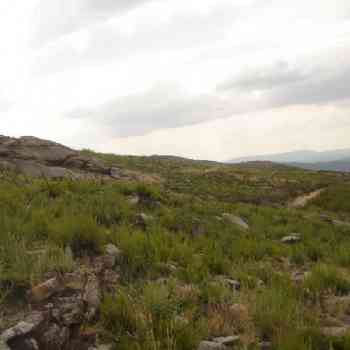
62, 305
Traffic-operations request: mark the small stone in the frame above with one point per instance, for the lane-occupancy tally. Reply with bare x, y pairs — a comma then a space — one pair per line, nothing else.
235, 285
299, 276
112, 250
144, 219
233, 219
291, 239
230, 340
265, 345
210, 345
133, 200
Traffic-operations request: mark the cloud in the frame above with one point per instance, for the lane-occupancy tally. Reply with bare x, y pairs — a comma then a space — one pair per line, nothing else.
110, 41
265, 87
56, 18
282, 84
265, 78
5, 104
162, 107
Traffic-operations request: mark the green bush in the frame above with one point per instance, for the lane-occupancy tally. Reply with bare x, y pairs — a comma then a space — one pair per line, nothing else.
278, 311
326, 279
80, 232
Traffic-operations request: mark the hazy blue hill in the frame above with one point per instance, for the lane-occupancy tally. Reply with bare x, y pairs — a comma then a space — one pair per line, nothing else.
338, 165
302, 156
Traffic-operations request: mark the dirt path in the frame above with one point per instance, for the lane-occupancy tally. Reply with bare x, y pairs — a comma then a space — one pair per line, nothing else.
301, 201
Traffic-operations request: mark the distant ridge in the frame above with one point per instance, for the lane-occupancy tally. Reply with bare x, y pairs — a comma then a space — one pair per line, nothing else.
335, 160
301, 156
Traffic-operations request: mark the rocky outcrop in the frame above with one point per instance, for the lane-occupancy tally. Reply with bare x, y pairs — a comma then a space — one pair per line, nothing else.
41, 158
61, 306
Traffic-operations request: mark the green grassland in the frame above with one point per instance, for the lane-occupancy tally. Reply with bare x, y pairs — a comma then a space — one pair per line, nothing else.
173, 292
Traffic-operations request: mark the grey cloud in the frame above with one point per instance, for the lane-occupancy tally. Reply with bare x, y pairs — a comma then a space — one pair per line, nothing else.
56, 18
170, 107
161, 107
282, 85
265, 78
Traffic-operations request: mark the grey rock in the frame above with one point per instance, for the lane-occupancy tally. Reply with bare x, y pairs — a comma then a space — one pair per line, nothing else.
133, 200
144, 219
230, 340
236, 220
235, 285
114, 251
291, 239
210, 345
30, 324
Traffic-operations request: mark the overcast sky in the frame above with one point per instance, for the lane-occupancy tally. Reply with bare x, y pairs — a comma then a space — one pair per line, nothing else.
210, 79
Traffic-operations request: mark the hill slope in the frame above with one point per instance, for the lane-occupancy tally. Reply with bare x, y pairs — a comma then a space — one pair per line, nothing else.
211, 256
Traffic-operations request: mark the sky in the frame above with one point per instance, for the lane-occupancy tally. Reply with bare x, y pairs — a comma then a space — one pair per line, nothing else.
205, 79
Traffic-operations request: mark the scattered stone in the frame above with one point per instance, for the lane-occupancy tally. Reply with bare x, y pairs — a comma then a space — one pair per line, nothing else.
299, 276
210, 345
143, 219
230, 340
114, 251
134, 200
236, 220
291, 239
335, 331
234, 284
265, 345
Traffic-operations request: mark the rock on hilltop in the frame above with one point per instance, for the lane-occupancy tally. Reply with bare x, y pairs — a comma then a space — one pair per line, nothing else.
41, 158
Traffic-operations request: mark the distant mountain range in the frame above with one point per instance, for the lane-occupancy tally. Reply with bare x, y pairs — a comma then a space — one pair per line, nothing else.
335, 160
